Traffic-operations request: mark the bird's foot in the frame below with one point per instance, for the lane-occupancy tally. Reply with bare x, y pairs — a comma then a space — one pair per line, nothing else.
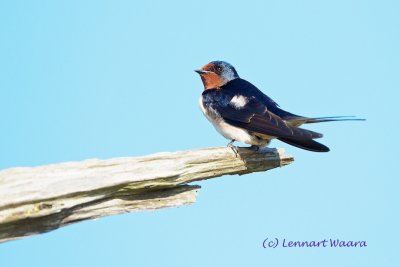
234, 148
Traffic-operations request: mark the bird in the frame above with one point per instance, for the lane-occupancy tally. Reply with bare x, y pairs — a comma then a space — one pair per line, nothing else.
241, 112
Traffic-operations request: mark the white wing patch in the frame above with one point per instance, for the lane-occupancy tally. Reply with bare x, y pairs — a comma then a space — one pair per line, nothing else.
239, 101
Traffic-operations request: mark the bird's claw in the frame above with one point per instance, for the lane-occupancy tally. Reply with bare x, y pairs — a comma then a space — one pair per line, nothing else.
234, 148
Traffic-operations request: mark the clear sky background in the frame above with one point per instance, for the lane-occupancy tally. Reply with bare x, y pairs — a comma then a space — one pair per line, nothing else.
103, 79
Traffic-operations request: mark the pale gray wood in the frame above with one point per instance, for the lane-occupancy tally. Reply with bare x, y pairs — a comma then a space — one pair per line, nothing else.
39, 199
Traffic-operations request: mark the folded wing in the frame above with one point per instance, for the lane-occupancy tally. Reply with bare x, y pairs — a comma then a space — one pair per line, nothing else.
254, 116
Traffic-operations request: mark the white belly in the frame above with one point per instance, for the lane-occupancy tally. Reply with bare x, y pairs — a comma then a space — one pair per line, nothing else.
231, 132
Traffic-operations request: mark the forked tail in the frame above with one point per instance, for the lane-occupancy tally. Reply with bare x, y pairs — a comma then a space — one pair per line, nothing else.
297, 121
309, 144
333, 118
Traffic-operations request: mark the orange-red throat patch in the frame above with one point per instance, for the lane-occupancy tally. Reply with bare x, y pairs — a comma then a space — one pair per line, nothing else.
211, 80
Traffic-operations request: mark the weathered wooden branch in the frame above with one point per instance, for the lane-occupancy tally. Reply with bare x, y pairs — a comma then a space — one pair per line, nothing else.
39, 199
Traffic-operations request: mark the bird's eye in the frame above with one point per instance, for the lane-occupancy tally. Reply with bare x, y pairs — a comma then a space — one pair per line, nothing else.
219, 69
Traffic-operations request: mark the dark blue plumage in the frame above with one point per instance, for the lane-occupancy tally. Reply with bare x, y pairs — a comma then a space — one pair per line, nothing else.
242, 87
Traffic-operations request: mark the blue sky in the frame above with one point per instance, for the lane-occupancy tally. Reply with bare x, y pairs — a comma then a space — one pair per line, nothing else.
85, 79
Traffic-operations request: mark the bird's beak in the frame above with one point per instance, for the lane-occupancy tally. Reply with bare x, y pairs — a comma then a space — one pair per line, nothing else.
200, 71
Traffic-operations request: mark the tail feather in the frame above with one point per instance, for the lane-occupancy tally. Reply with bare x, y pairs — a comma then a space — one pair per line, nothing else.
297, 121
333, 118
336, 117
307, 144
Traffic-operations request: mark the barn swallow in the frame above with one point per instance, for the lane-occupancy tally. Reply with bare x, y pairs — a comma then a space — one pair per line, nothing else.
241, 112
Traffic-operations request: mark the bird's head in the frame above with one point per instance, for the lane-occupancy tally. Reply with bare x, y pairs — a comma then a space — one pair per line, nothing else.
216, 74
